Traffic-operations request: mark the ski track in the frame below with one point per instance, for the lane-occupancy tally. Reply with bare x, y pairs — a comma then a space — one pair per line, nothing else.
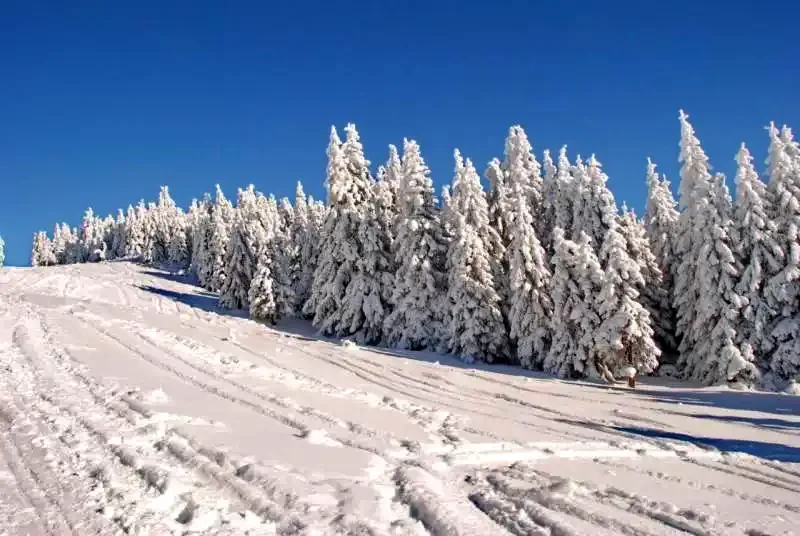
482, 451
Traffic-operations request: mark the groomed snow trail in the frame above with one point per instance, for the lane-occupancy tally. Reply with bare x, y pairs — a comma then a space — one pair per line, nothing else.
130, 404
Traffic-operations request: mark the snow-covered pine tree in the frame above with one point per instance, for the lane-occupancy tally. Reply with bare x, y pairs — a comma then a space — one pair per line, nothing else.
73, 252
349, 189
218, 245
37, 249
247, 237
530, 303
133, 234
200, 217
520, 167
594, 208
305, 259
59, 243
119, 236
760, 254
476, 327
2, 251
654, 294
707, 303
368, 278
420, 279
262, 292
549, 199
150, 252
625, 335
577, 280
783, 289
565, 193
693, 189
92, 237
661, 224
388, 191
281, 250
500, 211
721, 356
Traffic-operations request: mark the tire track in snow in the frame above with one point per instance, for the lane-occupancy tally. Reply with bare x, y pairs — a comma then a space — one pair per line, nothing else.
439, 400
570, 507
146, 466
730, 492
25, 484
287, 420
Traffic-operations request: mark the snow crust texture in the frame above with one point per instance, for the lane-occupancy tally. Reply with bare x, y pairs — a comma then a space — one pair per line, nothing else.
131, 404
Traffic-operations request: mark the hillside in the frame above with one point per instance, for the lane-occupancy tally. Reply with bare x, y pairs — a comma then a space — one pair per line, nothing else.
129, 402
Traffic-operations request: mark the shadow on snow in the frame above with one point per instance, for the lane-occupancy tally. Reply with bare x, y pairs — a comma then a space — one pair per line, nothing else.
768, 451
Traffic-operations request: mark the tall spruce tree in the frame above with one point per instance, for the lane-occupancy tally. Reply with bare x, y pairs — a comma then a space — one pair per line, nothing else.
783, 289
420, 280
530, 302
759, 252
476, 326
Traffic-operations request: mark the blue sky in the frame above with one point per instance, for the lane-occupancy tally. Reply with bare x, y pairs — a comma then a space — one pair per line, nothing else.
102, 102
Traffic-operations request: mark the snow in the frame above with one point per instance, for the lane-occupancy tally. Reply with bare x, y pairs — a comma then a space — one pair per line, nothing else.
129, 402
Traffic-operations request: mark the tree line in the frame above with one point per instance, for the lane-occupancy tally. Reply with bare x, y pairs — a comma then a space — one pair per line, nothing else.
543, 269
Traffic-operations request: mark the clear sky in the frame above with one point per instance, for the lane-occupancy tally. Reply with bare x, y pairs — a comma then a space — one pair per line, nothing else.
102, 102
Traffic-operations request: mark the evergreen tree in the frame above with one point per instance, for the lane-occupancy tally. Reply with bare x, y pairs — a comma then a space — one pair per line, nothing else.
119, 236
2, 251
220, 233
369, 290
200, 217
388, 191
420, 280
530, 305
305, 254
246, 241
654, 293
661, 224
594, 208
476, 324
759, 252
706, 299
577, 280
521, 169
37, 249
347, 293
549, 201
133, 234
60, 243
565, 194
262, 292
783, 289
625, 335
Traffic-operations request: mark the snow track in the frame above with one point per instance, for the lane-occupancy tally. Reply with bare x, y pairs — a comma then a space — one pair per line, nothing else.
129, 404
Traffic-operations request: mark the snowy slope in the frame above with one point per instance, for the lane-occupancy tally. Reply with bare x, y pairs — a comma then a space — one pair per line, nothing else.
128, 402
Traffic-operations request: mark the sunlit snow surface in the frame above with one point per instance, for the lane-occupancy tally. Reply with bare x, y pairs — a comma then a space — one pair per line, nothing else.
130, 403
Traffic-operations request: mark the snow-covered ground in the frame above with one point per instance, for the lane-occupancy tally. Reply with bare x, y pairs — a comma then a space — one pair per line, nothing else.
128, 402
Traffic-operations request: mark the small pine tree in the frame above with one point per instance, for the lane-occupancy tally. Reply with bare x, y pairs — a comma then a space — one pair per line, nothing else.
2, 251
262, 290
